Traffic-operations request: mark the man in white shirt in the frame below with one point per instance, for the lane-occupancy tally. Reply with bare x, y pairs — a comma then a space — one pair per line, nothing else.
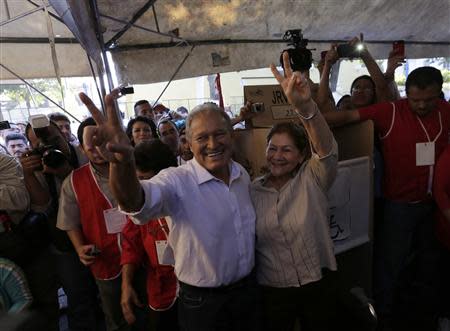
212, 232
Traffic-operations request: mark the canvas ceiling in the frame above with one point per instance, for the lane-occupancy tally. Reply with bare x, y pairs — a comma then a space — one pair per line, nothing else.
215, 26
24, 46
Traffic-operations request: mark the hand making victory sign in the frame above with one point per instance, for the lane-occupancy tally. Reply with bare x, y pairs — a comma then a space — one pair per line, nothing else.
298, 92
295, 87
110, 140
108, 137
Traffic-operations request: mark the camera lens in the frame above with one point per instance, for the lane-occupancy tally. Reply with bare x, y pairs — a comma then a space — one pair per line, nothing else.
53, 158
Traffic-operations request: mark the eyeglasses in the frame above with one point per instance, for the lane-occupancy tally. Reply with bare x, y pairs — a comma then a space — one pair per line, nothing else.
362, 89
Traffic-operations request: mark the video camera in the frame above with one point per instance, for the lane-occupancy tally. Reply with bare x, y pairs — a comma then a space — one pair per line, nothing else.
300, 57
48, 149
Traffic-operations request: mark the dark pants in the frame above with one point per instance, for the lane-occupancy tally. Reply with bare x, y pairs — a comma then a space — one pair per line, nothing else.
229, 308
41, 277
110, 292
83, 309
314, 304
166, 320
405, 261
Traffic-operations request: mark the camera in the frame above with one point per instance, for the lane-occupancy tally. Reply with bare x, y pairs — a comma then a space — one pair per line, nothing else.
50, 156
300, 57
48, 149
257, 107
4, 125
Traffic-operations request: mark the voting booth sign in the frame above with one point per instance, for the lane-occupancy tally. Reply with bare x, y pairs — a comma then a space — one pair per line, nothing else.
349, 203
276, 107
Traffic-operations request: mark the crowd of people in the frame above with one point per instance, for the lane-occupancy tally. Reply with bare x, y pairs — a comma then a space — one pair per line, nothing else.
156, 227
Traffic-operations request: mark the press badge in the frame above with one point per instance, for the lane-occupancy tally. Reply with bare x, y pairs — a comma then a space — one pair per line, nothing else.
114, 220
425, 154
165, 253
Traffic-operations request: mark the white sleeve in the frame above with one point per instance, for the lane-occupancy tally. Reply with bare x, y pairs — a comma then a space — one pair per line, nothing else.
160, 198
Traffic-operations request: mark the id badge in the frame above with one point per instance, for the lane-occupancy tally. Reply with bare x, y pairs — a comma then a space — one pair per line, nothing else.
424, 154
115, 221
164, 252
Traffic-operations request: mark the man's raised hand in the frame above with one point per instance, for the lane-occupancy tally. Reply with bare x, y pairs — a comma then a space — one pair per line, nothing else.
108, 137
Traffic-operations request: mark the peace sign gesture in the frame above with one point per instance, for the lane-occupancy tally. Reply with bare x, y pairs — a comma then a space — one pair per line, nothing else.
108, 137
294, 84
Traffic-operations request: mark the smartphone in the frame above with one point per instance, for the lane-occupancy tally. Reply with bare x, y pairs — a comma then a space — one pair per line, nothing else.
323, 54
347, 51
4, 125
94, 251
398, 47
126, 90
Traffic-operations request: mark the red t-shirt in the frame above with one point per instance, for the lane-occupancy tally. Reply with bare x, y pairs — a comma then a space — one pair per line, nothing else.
138, 247
403, 180
441, 192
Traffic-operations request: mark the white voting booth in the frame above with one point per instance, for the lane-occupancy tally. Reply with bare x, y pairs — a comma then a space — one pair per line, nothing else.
349, 201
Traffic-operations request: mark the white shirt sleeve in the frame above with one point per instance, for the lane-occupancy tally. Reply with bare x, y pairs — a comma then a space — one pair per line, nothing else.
160, 198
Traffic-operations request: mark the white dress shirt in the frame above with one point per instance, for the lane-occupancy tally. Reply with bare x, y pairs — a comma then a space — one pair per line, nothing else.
212, 232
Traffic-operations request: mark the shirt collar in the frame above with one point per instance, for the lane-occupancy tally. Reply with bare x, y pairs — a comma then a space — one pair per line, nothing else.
97, 173
204, 176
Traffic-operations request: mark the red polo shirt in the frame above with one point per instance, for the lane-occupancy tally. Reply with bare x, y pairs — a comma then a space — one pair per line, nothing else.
400, 130
139, 247
441, 192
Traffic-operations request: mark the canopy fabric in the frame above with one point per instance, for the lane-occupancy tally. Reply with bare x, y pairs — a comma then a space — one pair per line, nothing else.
24, 47
229, 35
201, 20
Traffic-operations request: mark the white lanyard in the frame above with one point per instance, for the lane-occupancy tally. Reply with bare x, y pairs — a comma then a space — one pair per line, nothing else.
431, 172
425, 130
163, 228
154, 232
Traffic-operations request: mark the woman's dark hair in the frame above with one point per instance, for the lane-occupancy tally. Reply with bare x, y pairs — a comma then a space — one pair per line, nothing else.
295, 131
424, 77
144, 119
366, 77
346, 96
154, 156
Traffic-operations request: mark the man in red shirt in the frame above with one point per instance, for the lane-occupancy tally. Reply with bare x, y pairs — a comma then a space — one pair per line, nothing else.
413, 133
146, 245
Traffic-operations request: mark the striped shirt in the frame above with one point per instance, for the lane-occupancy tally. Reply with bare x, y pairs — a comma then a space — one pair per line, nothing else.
293, 238
15, 295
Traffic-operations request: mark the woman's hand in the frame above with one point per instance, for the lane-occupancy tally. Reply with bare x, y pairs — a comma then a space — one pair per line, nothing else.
295, 86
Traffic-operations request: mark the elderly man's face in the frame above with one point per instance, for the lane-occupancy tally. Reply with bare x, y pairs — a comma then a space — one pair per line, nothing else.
145, 110
16, 147
211, 143
168, 134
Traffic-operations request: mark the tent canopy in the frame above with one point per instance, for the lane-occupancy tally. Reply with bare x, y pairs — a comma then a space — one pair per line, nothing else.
24, 42
219, 36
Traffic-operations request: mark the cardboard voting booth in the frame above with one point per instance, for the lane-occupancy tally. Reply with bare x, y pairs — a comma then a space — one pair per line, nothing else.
276, 106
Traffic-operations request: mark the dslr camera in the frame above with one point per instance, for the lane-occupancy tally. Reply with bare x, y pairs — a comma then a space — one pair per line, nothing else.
48, 149
300, 57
